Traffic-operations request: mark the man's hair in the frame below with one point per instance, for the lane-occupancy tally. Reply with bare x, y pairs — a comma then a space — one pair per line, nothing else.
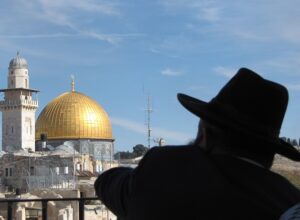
236, 143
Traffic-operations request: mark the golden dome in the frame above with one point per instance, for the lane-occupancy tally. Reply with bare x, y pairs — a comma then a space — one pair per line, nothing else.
73, 115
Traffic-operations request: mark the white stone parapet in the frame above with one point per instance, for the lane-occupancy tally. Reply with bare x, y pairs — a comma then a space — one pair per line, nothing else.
12, 103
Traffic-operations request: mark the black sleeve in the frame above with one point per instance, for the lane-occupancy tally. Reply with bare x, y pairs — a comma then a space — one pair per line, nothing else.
113, 187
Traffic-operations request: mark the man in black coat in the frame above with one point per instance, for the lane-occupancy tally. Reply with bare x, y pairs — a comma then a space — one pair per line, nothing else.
224, 174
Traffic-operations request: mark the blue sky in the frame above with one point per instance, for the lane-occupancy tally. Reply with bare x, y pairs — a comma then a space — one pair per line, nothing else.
121, 51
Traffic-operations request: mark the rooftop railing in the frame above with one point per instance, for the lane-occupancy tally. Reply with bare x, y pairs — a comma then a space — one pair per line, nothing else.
44, 202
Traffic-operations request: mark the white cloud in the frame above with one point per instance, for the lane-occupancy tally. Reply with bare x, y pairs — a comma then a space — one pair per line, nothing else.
172, 45
130, 125
209, 14
71, 14
224, 71
32, 36
110, 38
104, 7
156, 131
62, 13
255, 20
206, 10
171, 72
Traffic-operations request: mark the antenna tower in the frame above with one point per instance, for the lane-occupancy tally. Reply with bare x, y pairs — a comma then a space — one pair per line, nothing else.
148, 112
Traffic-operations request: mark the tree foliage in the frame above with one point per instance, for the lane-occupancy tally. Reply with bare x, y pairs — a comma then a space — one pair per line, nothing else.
137, 151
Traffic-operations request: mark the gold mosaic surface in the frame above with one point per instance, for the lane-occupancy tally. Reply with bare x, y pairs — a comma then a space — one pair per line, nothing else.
73, 115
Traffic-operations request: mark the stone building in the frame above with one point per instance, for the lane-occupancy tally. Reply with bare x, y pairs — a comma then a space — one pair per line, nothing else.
59, 155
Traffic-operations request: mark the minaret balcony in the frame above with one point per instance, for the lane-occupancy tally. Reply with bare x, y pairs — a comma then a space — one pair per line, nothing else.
16, 103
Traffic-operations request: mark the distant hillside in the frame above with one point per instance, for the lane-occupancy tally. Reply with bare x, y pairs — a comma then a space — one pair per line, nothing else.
287, 168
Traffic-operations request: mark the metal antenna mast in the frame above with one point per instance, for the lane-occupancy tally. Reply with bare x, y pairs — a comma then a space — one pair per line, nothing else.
149, 111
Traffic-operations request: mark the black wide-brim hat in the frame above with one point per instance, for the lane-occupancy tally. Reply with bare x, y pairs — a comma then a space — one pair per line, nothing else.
249, 104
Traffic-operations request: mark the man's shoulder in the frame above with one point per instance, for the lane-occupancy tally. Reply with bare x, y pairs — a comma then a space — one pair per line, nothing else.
171, 154
170, 150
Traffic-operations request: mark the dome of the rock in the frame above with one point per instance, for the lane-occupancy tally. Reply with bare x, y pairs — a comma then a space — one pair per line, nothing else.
73, 115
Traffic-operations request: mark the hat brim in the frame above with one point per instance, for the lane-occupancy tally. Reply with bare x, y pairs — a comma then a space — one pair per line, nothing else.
204, 111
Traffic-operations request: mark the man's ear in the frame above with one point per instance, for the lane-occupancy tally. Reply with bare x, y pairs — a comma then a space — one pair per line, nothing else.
199, 136
201, 139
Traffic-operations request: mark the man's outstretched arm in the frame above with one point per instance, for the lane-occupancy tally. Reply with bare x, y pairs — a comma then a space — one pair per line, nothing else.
113, 188
116, 187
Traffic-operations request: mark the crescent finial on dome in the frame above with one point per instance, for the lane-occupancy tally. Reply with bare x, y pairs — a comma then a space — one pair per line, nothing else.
73, 83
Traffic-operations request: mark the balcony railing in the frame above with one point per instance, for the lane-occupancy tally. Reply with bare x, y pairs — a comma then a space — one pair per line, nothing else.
44, 202
33, 103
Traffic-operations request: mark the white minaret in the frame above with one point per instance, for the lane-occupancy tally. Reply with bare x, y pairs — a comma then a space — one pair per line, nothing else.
18, 108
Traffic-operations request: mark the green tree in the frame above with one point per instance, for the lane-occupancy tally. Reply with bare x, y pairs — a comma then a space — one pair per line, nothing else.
139, 150
123, 155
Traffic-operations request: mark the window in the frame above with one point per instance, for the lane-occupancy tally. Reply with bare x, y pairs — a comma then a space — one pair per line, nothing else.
98, 168
31, 171
12, 129
28, 125
57, 170
10, 171
78, 166
66, 170
6, 171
